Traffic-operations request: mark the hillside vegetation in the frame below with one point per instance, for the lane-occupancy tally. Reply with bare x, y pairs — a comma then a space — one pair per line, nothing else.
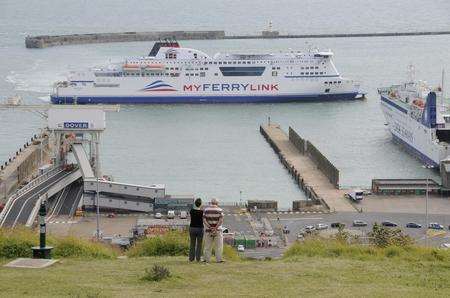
316, 267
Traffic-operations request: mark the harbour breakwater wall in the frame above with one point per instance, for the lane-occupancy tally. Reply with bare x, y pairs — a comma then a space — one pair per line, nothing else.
43, 41
323, 164
310, 169
23, 165
299, 179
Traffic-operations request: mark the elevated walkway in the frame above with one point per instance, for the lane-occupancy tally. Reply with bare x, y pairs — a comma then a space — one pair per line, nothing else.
83, 161
21, 208
123, 189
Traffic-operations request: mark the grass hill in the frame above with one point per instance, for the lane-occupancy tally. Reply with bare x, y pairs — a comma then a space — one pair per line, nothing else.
316, 268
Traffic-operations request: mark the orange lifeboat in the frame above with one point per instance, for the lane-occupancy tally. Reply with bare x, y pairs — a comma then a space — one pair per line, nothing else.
418, 102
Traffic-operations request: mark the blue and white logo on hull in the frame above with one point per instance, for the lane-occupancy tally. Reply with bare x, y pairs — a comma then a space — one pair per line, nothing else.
158, 86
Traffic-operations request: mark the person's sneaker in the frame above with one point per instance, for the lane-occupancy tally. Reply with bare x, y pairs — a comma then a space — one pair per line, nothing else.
221, 261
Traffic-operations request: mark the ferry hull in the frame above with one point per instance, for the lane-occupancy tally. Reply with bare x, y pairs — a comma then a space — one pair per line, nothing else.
201, 99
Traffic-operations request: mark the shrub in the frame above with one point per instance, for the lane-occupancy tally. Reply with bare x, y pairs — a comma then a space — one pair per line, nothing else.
173, 243
77, 248
17, 243
383, 237
156, 273
230, 253
334, 248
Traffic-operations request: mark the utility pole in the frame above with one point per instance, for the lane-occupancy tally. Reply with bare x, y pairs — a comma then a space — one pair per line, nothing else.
98, 211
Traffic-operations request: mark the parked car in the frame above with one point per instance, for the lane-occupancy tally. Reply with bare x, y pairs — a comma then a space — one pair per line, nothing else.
388, 224
183, 214
240, 248
170, 214
355, 195
300, 236
413, 225
158, 215
359, 223
337, 225
445, 246
321, 226
435, 226
309, 228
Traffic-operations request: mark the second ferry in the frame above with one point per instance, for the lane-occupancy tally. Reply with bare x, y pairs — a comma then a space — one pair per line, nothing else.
418, 117
173, 74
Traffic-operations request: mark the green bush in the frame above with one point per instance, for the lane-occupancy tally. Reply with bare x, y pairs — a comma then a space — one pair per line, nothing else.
230, 253
333, 248
383, 237
156, 273
17, 243
173, 243
77, 248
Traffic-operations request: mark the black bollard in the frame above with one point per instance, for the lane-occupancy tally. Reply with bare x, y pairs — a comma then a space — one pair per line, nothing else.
42, 251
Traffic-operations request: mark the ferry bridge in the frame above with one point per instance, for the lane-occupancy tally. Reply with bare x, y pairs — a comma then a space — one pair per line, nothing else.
67, 187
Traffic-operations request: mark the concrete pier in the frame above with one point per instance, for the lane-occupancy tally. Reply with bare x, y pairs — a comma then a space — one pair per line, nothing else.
306, 170
44, 41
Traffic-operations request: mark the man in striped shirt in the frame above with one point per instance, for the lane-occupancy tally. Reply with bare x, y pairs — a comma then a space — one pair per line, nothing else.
212, 222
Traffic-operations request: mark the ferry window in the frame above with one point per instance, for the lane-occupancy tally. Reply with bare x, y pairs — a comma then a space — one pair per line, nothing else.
216, 74
302, 73
335, 82
220, 62
196, 74
303, 67
316, 73
202, 74
187, 74
206, 68
321, 72
447, 119
215, 62
195, 55
274, 73
317, 67
278, 68
210, 62
339, 82
307, 67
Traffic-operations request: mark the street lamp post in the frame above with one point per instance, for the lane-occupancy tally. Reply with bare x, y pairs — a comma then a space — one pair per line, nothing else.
426, 214
98, 212
426, 205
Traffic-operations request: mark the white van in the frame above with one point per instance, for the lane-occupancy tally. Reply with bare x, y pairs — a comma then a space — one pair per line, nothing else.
170, 214
183, 214
355, 195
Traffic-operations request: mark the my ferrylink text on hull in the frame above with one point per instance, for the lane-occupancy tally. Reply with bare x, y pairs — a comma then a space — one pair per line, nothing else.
231, 87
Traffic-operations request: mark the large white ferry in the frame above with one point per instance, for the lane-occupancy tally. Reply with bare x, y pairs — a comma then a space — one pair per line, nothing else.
172, 74
418, 119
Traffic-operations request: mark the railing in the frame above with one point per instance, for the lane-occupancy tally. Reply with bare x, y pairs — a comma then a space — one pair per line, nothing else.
33, 183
